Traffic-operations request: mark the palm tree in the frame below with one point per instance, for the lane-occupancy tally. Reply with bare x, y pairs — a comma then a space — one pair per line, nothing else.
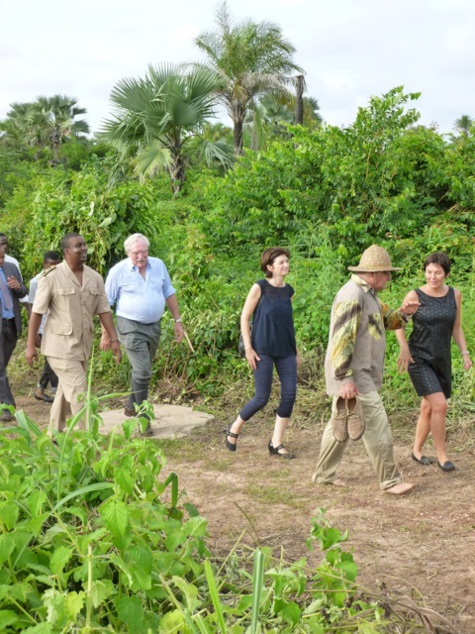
155, 117
24, 128
300, 87
311, 114
250, 59
463, 125
266, 119
270, 116
60, 114
47, 122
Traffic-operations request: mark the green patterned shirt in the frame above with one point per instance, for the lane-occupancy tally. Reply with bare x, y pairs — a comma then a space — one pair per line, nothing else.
357, 342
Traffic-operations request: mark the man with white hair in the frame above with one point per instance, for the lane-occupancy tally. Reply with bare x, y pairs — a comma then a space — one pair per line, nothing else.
139, 287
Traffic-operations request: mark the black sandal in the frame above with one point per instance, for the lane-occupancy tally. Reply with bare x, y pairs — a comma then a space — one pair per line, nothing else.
230, 445
275, 451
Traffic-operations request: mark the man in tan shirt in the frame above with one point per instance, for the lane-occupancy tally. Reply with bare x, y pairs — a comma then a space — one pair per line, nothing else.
71, 293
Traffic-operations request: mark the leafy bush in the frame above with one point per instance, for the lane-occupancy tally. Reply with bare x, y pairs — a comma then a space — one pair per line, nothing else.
90, 533
92, 539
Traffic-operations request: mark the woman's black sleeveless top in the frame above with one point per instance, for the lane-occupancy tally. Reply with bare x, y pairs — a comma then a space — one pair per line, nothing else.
273, 330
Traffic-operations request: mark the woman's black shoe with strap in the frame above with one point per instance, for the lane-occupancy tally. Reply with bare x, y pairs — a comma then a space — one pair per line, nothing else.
230, 445
276, 451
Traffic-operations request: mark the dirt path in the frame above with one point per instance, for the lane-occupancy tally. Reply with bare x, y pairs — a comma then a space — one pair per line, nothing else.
420, 546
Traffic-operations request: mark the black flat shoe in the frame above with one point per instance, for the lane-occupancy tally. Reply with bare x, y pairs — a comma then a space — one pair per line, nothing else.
229, 445
447, 466
424, 460
275, 451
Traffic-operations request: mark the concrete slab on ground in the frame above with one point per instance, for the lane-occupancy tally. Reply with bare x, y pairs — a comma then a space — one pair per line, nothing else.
171, 421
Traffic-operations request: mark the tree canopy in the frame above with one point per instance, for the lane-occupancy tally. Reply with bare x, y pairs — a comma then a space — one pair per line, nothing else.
47, 122
156, 116
250, 59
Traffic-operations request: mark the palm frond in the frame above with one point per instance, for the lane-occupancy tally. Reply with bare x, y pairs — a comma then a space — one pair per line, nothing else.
151, 159
213, 152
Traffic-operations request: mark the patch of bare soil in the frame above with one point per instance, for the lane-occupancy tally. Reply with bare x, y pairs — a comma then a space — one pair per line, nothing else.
38, 411
419, 547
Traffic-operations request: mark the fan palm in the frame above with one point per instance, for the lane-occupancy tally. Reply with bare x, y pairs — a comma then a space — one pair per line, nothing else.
45, 123
155, 117
311, 114
60, 112
267, 119
463, 125
250, 59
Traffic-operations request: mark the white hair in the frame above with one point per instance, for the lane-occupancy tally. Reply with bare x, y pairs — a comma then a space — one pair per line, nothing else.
135, 237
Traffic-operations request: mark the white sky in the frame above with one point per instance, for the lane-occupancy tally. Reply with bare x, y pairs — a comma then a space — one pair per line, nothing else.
350, 49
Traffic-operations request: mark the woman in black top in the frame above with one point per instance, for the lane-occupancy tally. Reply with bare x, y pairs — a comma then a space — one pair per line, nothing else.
427, 355
272, 342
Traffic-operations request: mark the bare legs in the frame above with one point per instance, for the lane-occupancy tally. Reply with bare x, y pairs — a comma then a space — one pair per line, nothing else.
279, 431
432, 420
277, 437
235, 428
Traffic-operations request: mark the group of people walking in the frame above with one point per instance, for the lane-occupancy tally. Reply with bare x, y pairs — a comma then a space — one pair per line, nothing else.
70, 294
67, 295
354, 361
64, 299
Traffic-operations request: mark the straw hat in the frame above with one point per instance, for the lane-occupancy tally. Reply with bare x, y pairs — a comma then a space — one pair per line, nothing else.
374, 260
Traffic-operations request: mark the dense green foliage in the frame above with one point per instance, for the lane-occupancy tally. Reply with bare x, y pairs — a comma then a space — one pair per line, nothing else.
94, 538
325, 192
83, 528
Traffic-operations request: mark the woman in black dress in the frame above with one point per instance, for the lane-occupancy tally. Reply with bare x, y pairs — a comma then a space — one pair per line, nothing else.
426, 356
271, 343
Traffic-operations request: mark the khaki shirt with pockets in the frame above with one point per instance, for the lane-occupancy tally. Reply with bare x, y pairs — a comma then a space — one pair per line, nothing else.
71, 309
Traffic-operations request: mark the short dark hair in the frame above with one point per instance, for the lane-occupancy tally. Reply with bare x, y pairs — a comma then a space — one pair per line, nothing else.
53, 256
442, 259
66, 239
268, 257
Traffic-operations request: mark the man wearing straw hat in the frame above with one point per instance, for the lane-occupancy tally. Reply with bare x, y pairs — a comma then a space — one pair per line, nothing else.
354, 372
140, 286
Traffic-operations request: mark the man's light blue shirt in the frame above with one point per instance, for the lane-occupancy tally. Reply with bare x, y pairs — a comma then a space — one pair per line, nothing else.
136, 298
6, 314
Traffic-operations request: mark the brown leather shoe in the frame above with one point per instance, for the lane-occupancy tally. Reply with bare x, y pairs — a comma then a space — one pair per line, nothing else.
6, 416
41, 395
128, 411
338, 420
355, 419
401, 488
